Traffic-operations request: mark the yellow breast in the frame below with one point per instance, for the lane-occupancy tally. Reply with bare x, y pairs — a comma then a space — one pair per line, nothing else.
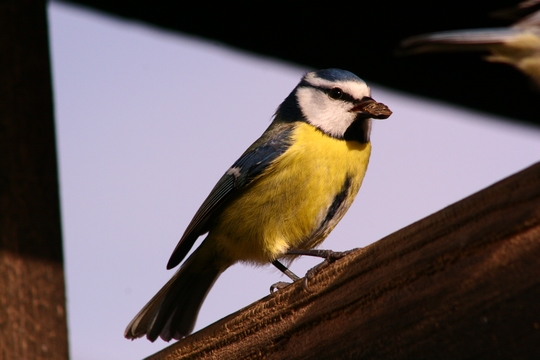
282, 208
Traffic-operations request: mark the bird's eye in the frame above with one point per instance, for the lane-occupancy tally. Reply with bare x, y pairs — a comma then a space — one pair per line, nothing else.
335, 93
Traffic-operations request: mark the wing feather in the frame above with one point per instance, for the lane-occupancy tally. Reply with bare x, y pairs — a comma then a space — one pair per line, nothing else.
243, 172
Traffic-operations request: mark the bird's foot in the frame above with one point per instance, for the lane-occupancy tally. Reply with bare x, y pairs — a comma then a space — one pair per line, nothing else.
278, 286
329, 257
281, 284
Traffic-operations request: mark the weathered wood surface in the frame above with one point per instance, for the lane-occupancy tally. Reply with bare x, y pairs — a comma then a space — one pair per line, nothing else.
461, 283
32, 301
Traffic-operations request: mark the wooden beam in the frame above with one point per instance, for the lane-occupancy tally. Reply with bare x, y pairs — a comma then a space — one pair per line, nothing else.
461, 283
296, 40
32, 301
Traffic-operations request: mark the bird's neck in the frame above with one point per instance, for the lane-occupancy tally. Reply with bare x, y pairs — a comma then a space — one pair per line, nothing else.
359, 131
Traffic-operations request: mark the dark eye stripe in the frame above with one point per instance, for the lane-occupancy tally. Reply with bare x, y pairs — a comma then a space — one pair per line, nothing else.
344, 96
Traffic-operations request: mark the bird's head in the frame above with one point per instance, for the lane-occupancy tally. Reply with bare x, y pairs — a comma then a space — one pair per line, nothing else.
334, 100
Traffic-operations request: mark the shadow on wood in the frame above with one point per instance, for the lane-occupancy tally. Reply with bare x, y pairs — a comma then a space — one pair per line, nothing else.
461, 283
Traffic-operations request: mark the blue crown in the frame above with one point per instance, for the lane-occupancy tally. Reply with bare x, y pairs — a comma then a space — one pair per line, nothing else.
336, 75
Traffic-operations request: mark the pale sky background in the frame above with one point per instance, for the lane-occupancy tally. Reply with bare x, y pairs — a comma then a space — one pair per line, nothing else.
147, 122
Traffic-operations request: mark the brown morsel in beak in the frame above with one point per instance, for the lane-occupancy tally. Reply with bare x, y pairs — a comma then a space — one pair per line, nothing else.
372, 109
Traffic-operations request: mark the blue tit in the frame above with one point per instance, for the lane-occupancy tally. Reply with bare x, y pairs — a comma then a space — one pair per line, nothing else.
286, 192
518, 45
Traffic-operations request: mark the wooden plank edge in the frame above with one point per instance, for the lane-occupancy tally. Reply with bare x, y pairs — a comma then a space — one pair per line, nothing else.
463, 282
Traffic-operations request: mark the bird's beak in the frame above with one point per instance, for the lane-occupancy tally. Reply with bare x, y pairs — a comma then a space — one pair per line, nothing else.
372, 109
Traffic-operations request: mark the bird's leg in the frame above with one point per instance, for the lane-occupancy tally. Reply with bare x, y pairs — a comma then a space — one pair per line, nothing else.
286, 271
328, 255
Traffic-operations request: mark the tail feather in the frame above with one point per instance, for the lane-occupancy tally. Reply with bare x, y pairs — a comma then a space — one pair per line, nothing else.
172, 312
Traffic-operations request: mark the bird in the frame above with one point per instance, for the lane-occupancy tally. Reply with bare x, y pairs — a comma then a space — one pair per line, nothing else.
281, 198
517, 45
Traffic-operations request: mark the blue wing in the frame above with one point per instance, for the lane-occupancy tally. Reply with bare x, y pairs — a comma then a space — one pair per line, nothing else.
243, 172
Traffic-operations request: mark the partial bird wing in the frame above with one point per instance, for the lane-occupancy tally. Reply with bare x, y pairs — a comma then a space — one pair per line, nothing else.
244, 171
462, 40
518, 45
521, 35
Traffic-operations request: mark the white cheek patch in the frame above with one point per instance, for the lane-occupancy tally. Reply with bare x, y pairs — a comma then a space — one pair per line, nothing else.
331, 116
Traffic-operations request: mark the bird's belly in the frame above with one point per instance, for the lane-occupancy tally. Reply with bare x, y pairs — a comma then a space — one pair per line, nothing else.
285, 206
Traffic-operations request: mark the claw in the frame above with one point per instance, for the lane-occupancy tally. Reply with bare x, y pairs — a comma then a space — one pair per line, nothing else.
278, 286
310, 274
305, 285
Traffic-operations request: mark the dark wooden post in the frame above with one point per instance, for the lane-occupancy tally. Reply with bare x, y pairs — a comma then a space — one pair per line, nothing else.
32, 300
461, 283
